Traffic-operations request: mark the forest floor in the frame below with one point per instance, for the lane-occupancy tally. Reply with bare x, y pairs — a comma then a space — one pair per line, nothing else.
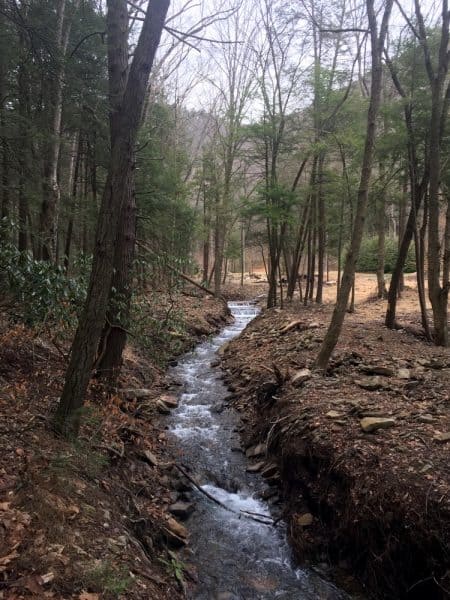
90, 519
362, 454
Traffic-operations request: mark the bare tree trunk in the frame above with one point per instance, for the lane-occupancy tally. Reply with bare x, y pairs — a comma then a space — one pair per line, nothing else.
446, 257
113, 338
24, 104
207, 241
225, 271
242, 253
312, 274
51, 190
337, 320
438, 295
321, 230
308, 264
73, 190
126, 124
219, 241
5, 197
401, 225
114, 334
381, 207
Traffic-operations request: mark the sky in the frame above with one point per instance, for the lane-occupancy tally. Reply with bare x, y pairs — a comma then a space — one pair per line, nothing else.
193, 72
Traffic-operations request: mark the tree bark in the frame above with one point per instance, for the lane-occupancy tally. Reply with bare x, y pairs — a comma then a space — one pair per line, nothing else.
51, 189
85, 344
438, 295
337, 320
73, 190
114, 335
381, 231
321, 230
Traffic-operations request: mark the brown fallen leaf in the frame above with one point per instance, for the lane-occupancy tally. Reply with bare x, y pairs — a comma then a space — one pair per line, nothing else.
88, 596
5, 560
32, 583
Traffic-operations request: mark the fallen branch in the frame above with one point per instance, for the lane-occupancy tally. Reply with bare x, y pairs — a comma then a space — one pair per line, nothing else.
182, 275
241, 513
300, 325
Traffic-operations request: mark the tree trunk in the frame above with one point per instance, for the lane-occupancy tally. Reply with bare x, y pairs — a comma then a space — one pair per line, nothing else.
207, 240
242, 253
381, 207
72, 189
126, 124
51, 189
114, 334
321, 231
24, 109
219, 241
225, 272
5, 197
401, 225
337, 320
438, 295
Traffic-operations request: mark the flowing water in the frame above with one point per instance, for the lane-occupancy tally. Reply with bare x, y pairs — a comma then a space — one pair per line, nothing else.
236, 557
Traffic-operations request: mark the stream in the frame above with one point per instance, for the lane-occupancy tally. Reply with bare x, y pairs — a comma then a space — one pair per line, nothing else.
237, 557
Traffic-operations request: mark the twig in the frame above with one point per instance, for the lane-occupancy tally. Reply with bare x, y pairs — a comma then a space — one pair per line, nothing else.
200, 489
241, 513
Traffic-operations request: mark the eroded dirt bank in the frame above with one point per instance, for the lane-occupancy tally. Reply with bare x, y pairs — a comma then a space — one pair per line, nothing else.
363, 453
89, 520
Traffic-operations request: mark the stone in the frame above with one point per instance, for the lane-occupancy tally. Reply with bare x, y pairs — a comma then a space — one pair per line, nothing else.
305, 520
269, 470
257, 450
426, 418
150, 458
177, 528
369, 424
132, 394
162, 408
274, 479
256, 467
223, 349
174, 540
182, 510
434, 363
301, 376
377, 370
333, 414
442, 437
169, 400
403, 373
269, 492
372, 383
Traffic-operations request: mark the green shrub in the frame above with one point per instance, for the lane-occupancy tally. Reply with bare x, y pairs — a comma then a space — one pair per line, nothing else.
367, 261
110, 580
41, 291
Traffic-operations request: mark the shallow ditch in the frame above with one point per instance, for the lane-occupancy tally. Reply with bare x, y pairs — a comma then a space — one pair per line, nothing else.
238, 552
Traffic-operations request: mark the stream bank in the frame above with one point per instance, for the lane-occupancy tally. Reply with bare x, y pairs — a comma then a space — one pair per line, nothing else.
235, 548
86, 520
378, 501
